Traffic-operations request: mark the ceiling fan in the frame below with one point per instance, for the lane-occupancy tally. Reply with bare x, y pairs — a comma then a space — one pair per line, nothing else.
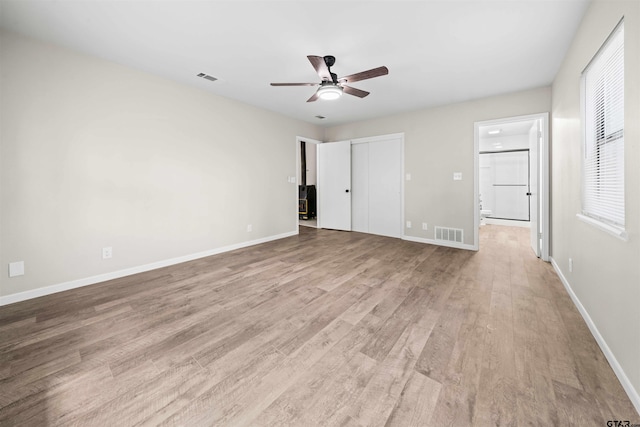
332, 87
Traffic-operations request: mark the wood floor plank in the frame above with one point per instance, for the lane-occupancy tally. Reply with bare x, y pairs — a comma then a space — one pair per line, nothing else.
246, 407
498, 366
436, 355
576, 407
215, 398
146, 399
368, 302
54, 400
322, 328
16, 387
332, 404
383, 390
406, 314
417, 402
535, 394
559, 357
293, 406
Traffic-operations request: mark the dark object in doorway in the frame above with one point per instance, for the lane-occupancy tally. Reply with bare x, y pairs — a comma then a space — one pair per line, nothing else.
306, 201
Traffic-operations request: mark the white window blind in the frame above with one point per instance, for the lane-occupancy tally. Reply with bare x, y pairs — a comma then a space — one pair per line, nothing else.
603, 95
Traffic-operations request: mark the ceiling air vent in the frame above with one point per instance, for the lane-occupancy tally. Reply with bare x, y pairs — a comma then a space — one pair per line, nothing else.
207, 76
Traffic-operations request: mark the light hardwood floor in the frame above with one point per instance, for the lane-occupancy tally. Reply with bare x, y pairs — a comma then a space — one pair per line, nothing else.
324, 328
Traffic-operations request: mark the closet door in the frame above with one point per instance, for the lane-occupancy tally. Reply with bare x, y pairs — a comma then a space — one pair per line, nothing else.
376, 180
360, 187
385, 199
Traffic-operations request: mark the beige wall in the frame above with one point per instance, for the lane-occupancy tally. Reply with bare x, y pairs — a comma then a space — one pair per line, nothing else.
606, 270
94, 154
439, 142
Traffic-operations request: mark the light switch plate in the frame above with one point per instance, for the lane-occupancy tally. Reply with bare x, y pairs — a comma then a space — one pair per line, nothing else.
16, 268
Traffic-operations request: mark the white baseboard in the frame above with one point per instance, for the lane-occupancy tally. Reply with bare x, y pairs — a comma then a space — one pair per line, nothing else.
60, 287
507, 222
617, 369
439, 243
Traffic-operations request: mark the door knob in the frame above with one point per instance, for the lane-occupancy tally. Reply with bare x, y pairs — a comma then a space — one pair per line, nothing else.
346, 191
529, 194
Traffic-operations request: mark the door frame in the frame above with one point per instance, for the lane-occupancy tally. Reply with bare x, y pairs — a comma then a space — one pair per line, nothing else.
298, 170
543, 168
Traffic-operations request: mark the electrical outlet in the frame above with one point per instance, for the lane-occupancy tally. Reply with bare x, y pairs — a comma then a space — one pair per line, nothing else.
249, 228
425, 226
457, 176
408, 224
570, 265
107, 252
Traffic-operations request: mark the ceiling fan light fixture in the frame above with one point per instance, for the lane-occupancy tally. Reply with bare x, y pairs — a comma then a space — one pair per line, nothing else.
329, 92
332, 87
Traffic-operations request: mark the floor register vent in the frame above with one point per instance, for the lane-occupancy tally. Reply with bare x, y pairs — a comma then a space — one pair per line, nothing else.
449, 234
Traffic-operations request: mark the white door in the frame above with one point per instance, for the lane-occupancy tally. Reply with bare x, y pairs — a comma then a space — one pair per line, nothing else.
376, 187
334, 185
535, 143
360, 188
385, 188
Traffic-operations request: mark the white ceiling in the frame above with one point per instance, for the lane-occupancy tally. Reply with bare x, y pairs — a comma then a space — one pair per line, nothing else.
437, 52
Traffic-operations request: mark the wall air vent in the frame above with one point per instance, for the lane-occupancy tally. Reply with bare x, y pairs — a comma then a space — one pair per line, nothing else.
447, 234
207, 76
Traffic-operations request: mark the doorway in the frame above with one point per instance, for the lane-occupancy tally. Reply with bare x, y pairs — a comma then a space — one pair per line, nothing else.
512, 176
307, 177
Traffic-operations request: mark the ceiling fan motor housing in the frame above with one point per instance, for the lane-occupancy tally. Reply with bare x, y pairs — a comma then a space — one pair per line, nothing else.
329, 60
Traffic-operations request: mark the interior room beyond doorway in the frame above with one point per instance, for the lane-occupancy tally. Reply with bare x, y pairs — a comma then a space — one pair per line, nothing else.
307, 178
512, 175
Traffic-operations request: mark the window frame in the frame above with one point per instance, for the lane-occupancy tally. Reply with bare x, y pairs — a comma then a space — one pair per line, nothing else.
592, 143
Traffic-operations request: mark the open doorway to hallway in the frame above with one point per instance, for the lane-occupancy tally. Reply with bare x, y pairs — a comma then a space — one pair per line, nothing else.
307, 177
511, 180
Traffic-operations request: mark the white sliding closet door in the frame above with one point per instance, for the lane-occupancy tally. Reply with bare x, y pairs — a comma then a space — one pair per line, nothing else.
360, 187
385, 174
377, 187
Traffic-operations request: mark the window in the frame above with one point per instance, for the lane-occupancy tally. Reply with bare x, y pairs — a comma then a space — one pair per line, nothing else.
603, 121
